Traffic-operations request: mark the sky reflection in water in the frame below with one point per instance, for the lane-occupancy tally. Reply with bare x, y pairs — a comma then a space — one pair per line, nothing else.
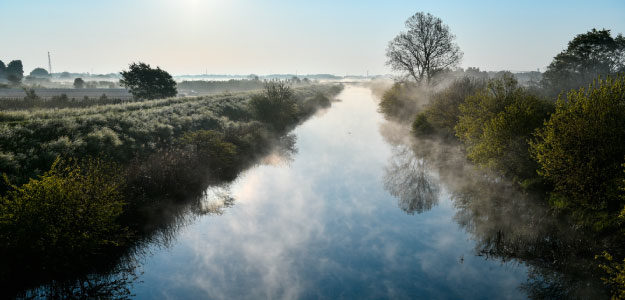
322, 225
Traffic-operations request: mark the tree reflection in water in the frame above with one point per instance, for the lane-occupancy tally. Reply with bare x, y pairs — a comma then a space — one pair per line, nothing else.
506, 223
406, 178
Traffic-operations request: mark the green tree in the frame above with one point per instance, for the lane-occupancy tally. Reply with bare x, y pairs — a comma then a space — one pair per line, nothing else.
581, 149
589, 55
79, 83
496, 124
15, 71
425, 49
484, 105
39, 72
147, 83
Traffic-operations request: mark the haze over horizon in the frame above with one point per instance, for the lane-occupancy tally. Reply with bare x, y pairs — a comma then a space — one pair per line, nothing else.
243, 37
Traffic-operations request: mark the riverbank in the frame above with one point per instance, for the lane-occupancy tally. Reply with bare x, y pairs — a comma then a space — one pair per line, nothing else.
118, 171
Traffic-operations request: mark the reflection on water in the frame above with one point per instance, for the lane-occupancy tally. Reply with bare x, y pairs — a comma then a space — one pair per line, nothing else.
406, 178
323, 222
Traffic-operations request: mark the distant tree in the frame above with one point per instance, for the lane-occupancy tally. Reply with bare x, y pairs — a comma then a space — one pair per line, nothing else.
79, 83
588, 55
147, 83
425, 49
15, 71
66, 75
3, 70
39, 72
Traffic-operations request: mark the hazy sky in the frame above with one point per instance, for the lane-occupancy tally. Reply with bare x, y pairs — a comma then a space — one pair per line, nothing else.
244, 36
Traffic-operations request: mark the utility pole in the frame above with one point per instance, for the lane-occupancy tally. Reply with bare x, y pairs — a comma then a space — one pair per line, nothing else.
49, 64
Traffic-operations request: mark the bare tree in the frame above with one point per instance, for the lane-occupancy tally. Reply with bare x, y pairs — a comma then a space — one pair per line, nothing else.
425, 49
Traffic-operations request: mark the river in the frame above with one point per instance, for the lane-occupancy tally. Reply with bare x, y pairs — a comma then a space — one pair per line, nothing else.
320, 223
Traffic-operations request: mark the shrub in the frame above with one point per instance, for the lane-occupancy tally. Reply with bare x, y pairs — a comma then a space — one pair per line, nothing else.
276, 106
443, 111
496, 124
421, 126
69, 212
580, 150
401, 102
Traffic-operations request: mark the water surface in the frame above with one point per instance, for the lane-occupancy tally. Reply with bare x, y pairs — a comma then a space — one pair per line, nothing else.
326, 223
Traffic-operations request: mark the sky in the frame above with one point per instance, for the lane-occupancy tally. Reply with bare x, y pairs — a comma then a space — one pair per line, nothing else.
271, 36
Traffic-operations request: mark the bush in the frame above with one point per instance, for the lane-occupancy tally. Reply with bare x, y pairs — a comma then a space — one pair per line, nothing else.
212, 151
443, 111
69, 212
401, 102
496, 124
581, 149
276, 106
422, 126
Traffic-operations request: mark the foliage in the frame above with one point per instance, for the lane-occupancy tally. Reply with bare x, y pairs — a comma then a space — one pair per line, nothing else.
79, 83
496, 123
425, 49
15, 71
211, 150
421, 125
589, 55
147, 83
482, 106
401, 101
3, 70
443, 112
68, 212
580, 150
276, 106
615, 272
31, 140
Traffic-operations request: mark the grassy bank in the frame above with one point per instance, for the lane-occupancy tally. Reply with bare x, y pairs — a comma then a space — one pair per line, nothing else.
83, 186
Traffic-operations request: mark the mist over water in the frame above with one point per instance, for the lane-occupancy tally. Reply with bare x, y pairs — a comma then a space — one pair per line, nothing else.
324, 225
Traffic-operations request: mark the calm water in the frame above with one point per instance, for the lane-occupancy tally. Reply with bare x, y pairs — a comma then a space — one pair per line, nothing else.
321, 224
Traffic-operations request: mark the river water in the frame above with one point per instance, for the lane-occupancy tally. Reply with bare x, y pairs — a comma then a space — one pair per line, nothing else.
321, 223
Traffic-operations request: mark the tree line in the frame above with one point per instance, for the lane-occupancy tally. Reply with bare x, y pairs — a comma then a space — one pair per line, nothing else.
561, 136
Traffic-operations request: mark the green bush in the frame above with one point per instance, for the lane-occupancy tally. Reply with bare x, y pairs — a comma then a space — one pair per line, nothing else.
211, 150
581, 150
443, 111
496, 123
277, 106
402, 101
69, 212
421, 125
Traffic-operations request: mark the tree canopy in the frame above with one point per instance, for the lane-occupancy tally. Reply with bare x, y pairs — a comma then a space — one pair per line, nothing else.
425, 49
15, 71
39, 72
145, 82
79, 83
581, 150
589, 55
496, 123
3, 69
